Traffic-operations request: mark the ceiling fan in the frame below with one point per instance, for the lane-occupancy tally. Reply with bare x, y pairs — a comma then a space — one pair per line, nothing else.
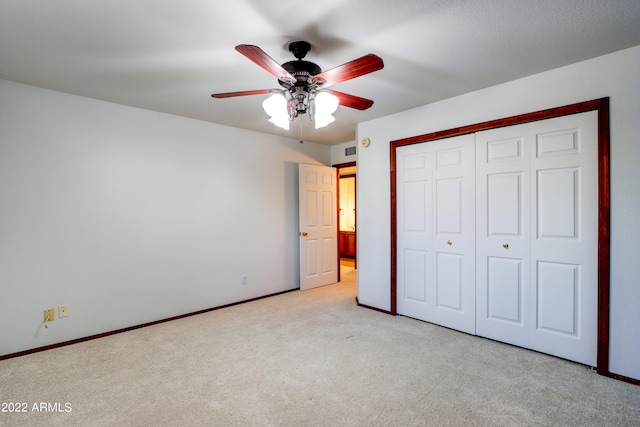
305, 85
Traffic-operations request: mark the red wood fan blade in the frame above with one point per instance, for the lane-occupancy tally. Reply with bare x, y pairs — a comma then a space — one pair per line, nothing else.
351, 101
356, 68
258, 56
244, 93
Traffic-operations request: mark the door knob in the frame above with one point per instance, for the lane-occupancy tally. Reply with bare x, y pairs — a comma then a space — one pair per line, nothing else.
449, 242
304, 233
505, 245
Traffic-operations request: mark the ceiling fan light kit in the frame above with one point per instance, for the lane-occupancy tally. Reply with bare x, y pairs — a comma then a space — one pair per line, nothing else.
276, 106
319, 107
304, 85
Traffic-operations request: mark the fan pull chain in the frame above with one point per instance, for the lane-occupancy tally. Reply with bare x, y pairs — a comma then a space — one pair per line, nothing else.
301, 141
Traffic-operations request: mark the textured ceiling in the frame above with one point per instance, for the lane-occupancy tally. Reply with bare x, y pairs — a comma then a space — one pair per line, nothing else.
169, 56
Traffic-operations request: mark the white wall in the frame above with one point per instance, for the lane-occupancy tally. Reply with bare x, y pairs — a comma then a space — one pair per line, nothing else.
616, 75
129, 216
337, 153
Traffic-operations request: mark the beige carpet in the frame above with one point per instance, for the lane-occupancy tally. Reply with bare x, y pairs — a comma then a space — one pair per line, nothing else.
308, 358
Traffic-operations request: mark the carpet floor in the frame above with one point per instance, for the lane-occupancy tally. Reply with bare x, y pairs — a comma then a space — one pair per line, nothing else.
311, 358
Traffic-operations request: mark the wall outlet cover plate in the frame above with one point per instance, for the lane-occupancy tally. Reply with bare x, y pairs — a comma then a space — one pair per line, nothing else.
63, 311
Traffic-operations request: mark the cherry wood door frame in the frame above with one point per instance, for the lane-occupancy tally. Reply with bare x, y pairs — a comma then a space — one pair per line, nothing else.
602, 107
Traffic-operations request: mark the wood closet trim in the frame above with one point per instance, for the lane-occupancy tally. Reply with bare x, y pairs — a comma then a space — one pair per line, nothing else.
602, 107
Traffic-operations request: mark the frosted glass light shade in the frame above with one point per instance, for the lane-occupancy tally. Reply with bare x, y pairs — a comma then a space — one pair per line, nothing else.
323, 120
326, 105
276, 107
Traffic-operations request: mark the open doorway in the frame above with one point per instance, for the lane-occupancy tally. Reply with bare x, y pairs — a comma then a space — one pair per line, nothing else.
347, 238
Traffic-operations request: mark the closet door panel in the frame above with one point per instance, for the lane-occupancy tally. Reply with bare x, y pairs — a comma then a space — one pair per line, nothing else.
454, 232
449, 281
504, 299
565, 237
436, 232
502, 243
537, 236
504, 204
556, 293
415, 231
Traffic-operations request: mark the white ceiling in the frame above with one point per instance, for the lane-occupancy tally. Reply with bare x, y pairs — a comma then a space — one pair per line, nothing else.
169, 56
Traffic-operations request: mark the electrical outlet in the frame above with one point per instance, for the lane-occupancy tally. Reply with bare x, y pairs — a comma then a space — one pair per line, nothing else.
49, 315
243, 280
63, 311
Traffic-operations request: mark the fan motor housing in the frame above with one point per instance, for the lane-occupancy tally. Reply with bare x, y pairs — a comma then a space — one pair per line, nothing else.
301, 67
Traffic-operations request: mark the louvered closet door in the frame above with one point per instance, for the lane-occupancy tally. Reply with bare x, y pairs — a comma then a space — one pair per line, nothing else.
537, 236
436, 231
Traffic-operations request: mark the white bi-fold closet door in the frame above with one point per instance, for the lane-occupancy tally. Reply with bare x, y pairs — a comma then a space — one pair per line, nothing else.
436, 239
524, 238
537, 236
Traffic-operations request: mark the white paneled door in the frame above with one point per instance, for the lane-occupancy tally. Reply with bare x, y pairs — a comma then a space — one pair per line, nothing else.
318, 226
435, 229
503, 234
538, 236
497, 234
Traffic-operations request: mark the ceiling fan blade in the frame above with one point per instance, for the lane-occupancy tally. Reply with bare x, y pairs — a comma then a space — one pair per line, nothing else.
356, 68
244, 93
351, 101
258, 56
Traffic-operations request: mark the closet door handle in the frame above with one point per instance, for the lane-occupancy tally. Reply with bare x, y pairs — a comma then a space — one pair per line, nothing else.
449, 242
505, 245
